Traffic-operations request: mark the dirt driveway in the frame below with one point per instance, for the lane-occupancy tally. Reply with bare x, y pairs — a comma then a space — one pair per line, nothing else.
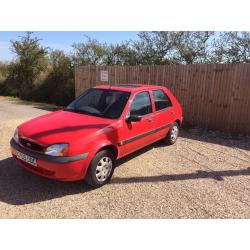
205, 175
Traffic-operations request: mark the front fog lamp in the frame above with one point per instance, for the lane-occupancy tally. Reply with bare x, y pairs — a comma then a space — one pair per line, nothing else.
57, 149
15, 136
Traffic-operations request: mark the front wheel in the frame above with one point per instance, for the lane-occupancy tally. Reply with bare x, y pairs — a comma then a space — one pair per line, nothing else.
101, 169
172, 135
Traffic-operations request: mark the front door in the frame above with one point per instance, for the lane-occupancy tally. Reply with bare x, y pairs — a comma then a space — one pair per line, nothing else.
138, 134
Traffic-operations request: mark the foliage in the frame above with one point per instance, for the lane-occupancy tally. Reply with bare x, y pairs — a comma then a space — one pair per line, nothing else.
34, 75
192, 47
3, 71
167, 47
91, 52
155, 47
120, 54
30, 61
231, 47
58, 87
41, 74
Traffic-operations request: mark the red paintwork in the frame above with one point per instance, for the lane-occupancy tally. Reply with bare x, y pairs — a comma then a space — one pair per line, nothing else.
86, 133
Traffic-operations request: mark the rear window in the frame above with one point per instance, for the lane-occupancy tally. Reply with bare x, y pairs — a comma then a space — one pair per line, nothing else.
161, 100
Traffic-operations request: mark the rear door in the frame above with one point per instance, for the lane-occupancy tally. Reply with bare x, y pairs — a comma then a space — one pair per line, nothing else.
164, 113
138, 134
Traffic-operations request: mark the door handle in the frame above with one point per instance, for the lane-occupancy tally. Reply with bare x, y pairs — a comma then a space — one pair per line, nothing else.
172, 112
150, 119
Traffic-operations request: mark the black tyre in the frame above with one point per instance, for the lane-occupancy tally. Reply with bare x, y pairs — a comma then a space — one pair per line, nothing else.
172, 135
101, 169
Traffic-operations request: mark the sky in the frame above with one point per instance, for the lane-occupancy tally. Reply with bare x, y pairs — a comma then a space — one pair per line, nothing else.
61, 39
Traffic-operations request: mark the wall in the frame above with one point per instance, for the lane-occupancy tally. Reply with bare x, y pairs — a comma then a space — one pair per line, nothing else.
214, 96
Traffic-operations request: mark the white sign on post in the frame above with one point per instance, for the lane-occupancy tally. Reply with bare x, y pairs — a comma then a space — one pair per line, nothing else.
104, 76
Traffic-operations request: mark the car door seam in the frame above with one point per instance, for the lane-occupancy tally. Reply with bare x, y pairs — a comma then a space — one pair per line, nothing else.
122, 143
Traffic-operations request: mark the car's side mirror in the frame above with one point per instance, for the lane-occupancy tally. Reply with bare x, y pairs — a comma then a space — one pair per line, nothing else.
133, 118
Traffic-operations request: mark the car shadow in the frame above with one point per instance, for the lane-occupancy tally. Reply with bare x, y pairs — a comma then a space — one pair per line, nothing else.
18, 186
139, 152
215, 175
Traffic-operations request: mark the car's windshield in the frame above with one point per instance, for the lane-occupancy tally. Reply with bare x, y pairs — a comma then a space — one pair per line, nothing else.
100, 102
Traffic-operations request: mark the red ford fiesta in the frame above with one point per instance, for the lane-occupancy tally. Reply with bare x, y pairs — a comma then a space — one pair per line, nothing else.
103, 124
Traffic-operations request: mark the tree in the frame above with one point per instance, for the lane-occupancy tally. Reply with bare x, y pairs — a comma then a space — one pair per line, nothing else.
192, 47
90, 52
58, 87
61, 64
156, 47
93, 52
61, 77
3, 71
231, 47
120, 54
170, 47
30, 61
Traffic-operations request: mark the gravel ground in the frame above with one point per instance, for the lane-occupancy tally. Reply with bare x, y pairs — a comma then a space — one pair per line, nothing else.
206, 174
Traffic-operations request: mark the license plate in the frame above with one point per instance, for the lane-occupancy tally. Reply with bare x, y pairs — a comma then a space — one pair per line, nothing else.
26, 158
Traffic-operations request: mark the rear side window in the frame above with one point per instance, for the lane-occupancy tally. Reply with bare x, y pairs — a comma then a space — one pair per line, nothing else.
161, 100
141, 104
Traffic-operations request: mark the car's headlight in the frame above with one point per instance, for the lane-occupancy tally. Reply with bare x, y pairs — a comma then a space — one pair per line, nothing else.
57, 149
15, 136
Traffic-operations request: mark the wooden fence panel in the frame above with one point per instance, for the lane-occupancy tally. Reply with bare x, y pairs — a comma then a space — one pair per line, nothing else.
213, 96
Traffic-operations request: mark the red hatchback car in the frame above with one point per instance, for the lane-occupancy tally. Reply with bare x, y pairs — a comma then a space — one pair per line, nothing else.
103, 124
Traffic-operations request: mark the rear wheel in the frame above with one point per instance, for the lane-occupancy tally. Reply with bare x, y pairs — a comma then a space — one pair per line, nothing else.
101, 169
172, 135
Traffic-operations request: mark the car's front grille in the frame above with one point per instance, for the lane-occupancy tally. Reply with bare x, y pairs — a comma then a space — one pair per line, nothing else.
31, 145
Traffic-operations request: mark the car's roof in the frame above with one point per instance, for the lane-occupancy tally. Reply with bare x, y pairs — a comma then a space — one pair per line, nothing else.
130, 87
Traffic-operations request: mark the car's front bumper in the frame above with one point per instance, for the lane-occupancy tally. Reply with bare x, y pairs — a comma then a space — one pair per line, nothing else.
68, 168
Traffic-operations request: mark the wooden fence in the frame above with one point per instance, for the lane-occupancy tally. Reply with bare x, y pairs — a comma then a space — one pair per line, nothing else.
213, 96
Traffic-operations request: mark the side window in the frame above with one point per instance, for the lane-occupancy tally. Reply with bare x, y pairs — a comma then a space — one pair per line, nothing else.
161, 100
141, 104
